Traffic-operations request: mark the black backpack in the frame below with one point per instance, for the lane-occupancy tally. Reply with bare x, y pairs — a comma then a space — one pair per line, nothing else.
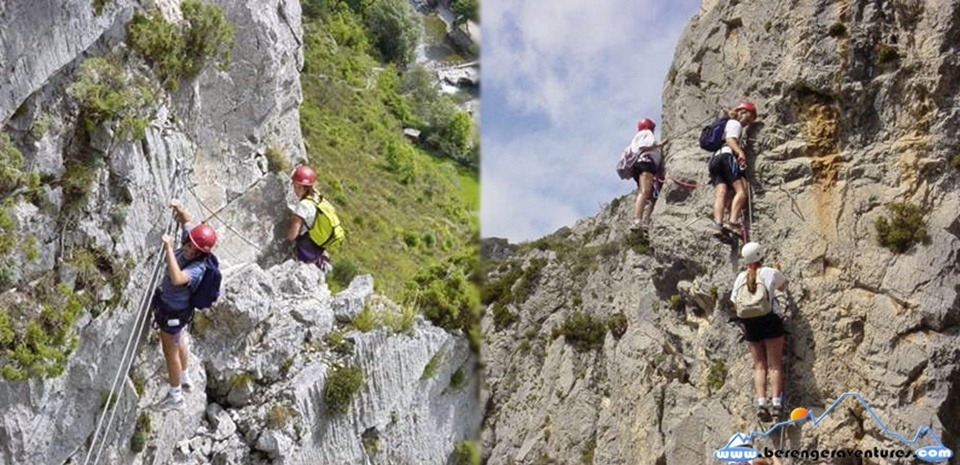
711, 137
208, 291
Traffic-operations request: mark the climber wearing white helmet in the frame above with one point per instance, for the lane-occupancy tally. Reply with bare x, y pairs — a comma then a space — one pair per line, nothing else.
758, 311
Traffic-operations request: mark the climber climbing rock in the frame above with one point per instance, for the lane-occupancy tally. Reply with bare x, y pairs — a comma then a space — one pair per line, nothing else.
647, 171
191, 270
728, 170
757, 310
314, 226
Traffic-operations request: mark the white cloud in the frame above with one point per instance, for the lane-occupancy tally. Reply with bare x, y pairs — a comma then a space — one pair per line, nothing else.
574, 76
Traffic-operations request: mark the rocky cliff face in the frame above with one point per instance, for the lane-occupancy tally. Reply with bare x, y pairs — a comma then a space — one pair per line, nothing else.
95, 213
858, 110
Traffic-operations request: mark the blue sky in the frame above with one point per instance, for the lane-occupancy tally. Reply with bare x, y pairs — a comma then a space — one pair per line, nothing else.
564, 82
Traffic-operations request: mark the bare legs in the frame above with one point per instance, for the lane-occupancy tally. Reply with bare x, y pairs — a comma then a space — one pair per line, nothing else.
644, 194
767, 363
176, 354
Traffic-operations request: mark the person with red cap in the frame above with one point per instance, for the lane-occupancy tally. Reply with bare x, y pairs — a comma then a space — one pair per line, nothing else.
314, 226
728, 170
186, 266
647, 172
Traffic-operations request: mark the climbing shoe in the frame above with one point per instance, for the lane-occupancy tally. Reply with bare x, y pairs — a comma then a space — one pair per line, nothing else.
718, 230
776, 411
731, 227
637, 225
763, 414
171, 401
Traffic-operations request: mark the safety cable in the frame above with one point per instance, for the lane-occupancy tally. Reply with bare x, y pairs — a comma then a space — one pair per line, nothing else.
132, 344
214, 214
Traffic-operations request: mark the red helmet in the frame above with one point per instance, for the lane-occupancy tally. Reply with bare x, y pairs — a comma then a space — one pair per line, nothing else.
203, 237
746, 105
304, 176
645, 123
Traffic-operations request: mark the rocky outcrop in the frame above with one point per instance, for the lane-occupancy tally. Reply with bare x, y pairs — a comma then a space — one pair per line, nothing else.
857, 111
262, 362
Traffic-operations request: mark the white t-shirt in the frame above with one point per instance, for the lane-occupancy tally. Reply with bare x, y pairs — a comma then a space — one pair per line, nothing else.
733, 129
646, 138
771, 278
307, 211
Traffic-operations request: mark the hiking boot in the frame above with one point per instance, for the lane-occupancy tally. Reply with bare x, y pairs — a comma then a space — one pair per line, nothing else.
763, 414
718, 230
776, 411
171, 401
637, 225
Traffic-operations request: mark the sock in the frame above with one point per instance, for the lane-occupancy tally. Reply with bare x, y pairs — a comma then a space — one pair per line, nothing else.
176, 392
185, 377
778, 401
761, 401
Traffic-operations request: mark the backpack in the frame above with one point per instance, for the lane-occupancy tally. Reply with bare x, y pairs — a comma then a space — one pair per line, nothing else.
326, 230
208, 291
625, 165
752, 305
711, 137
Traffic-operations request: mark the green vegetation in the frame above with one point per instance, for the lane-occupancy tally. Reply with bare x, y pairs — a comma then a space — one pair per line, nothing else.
516, 285
767, 26
109, 94
431, 368
886, 53
466, 10
717, 375
11, 160
343, 383
400, 322
617, 323
458, 379
582, 331
278, 416
141, 433
99, 5
955, 161
837, 30
41, 125
336, 342
41, 346
588, 450
638, 243
502, 316
394, 28
447, 296
277, 160
904, 228
465, 453
365, 320
411, 207
676, 303
181, 51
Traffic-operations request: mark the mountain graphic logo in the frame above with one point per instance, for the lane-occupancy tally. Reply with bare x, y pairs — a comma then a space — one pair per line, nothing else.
737, 447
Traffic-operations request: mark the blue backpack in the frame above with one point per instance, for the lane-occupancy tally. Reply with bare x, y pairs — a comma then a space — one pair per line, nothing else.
711, 137
208, 291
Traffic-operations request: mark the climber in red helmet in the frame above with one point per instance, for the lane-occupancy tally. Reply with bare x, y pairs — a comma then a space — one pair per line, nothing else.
728, 170
314, 226
186, 266
647, 172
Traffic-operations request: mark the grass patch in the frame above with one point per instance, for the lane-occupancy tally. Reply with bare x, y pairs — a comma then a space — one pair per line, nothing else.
582, 331
343, 272
337, 343
343, 383
639, 244
181, 51
617, 324
109, 94
502, 316
458, 379
465, 453
589, 450
141, 433
903, 228
448, 297
431, 367
11, 161
886, 53
676, 303
276, 160
401, 322
42, 345
717, 375
365, 320
955, 161
278, 416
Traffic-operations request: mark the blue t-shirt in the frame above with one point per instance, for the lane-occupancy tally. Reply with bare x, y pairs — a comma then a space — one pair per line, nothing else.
178, 297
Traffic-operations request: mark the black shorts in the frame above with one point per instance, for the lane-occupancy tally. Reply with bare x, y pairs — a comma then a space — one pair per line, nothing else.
169, 320
769, 326
641, 167
724, 169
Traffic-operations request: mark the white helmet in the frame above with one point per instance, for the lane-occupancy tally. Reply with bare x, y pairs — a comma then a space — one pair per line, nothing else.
751, 252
